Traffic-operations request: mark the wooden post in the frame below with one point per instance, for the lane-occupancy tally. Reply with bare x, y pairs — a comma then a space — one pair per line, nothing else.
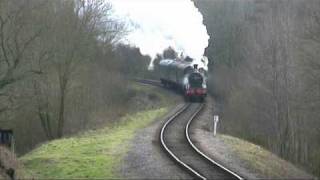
12, 144
215, 121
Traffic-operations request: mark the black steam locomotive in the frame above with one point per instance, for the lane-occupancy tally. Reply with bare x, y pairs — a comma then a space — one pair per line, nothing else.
184, 76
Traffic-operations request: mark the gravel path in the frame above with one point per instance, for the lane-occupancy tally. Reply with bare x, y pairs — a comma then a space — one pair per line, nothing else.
146, 160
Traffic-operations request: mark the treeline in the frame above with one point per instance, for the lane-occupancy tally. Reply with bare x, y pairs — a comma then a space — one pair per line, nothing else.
265, 73
60, 68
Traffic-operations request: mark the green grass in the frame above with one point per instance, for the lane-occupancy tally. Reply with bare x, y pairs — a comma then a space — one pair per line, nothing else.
95, 154
265, 163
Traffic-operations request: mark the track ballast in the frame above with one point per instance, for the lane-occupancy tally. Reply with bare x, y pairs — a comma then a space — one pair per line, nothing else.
175, 140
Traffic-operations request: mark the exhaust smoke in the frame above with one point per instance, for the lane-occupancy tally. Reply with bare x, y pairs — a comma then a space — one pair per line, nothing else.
157, 24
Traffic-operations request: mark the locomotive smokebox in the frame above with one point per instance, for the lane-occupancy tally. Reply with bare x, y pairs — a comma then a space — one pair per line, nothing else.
195, 66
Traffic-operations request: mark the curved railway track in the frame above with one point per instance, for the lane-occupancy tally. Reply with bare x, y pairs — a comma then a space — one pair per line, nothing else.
175, 140
149, 81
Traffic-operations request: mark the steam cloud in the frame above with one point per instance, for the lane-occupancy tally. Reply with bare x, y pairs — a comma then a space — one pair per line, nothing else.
158, 24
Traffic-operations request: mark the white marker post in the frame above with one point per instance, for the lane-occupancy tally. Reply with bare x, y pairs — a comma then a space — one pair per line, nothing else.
215, 120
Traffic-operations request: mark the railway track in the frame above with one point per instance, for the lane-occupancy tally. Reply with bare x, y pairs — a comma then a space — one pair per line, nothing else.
175, 140
149, 81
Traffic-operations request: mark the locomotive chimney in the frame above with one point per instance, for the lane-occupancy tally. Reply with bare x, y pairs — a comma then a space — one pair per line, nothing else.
195, 66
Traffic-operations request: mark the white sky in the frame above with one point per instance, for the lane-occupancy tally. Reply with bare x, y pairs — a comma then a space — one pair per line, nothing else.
158, 24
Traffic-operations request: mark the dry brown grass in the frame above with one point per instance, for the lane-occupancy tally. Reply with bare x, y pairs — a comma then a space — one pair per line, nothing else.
8, 160
265, 163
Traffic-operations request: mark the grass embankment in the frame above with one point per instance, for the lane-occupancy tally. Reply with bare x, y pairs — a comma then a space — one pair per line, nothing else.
263, 162
94, 154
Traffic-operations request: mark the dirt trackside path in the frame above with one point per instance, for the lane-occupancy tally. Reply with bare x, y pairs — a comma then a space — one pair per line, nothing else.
146, 160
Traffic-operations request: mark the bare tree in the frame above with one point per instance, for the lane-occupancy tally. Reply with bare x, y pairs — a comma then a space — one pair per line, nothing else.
16, 38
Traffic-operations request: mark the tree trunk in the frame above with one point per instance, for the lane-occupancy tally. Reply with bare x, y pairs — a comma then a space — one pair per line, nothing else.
61, 119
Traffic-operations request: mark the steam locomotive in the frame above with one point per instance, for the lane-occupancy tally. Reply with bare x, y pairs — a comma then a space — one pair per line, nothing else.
184, 76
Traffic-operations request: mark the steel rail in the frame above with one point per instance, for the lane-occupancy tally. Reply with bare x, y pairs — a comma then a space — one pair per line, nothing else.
200, 152
184, 108
196, 149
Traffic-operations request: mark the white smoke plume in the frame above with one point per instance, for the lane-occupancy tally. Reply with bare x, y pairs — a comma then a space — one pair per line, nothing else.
158, 24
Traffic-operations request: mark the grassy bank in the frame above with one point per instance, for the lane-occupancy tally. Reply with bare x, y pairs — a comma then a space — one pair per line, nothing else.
263, 162
96, 154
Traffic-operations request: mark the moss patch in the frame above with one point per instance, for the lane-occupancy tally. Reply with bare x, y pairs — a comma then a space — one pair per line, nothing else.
262, 161
95, 154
